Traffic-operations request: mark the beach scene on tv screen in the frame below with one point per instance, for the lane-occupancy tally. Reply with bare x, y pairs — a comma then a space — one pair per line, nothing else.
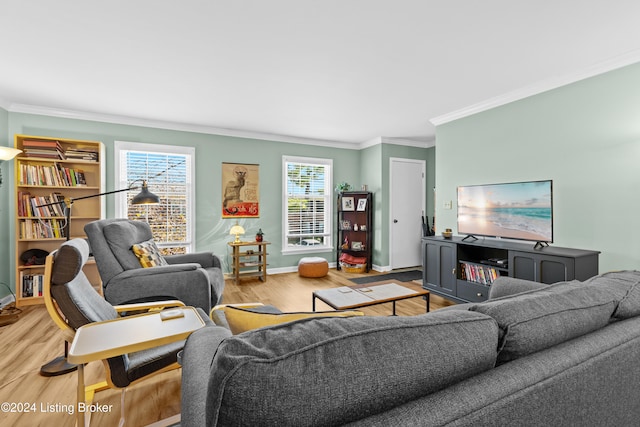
516, 211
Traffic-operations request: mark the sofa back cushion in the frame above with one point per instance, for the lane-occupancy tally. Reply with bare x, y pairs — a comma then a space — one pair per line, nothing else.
337, 370
625, 287
536, 320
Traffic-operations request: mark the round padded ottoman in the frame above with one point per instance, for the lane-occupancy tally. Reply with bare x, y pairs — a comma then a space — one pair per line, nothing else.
313, 267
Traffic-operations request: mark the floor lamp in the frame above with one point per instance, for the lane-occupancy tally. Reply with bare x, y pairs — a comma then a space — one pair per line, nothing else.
7, 153
59, 365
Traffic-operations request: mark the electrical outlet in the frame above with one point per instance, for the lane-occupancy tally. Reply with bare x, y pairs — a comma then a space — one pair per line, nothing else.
448, 204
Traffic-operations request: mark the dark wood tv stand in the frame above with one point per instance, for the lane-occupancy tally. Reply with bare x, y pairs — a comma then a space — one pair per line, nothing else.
463, 270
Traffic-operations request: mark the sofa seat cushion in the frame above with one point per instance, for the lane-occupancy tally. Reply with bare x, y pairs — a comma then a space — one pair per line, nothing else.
337, 370
536, 320
625, 286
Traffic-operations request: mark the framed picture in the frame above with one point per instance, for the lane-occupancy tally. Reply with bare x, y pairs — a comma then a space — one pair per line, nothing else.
348, 204
362, 205
356, 246
240, 190
345, 224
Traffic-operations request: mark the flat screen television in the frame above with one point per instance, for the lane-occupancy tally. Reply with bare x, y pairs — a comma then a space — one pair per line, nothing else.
517, 210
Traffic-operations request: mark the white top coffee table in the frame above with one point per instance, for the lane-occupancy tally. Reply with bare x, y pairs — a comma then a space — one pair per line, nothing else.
350, 297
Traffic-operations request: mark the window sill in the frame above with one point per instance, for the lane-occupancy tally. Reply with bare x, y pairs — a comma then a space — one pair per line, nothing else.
307, 250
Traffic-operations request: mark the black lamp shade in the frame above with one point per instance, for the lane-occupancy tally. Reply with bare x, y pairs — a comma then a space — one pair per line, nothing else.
145, 197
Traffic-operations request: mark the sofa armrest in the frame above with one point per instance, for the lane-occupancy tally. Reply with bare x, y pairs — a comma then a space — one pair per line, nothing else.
148, 306
205, 259
189, 285
160, 270
506, 286
197, 357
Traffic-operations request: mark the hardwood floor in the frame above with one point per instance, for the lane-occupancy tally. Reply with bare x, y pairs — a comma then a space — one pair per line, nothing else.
34, 340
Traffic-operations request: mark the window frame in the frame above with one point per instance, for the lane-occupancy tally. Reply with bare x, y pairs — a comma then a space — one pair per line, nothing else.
328, 234
121, 208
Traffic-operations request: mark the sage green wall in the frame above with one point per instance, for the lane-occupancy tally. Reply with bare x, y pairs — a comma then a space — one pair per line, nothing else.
211, 151
352, 166
376, 174
371, 165
585, 136
5, 212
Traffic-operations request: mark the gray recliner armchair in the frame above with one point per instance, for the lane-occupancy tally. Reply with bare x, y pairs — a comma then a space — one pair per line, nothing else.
72, 302
195, 279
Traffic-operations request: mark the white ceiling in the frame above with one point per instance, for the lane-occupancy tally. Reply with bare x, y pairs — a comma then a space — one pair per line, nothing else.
337, 71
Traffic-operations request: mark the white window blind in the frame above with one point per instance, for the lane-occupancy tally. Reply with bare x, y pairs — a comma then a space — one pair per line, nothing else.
308, 210
168, 175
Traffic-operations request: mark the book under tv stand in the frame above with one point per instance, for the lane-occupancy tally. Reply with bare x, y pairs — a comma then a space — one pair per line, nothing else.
459, 269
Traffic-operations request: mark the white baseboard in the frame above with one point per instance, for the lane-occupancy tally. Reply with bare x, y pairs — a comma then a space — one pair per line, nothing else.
381, 268
293, 269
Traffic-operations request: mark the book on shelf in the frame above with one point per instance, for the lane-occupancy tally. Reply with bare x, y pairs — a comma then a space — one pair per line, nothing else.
476, 273
81, 180
88, 154
54, 175
250, 264
31, 284
40, 206
49, 149
51, 228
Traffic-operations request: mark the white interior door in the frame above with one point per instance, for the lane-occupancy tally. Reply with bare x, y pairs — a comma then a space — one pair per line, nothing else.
407, 197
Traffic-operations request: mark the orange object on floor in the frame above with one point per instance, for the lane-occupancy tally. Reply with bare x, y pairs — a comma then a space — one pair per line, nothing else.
313, 267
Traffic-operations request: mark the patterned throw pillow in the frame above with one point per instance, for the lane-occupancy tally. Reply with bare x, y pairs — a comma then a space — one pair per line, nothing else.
148, 254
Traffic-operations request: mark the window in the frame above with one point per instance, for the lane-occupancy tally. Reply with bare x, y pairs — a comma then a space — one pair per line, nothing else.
307, 204
169, 172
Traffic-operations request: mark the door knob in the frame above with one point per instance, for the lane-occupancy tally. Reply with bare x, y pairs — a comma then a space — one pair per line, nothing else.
395, 221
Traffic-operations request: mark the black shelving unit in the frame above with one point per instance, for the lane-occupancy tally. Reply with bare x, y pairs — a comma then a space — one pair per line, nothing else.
355, 226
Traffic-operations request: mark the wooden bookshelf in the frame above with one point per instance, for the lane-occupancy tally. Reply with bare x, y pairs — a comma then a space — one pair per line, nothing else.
47, 170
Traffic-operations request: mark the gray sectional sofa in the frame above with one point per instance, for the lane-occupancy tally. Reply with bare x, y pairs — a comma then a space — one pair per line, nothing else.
566, 354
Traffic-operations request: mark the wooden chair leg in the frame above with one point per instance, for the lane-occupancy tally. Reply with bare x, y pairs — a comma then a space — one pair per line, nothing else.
122, 395
91, 390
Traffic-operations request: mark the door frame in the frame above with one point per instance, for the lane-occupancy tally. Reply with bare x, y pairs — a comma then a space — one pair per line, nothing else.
423, 194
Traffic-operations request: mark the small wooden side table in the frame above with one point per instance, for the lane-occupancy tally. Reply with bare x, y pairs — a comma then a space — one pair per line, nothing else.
249, 259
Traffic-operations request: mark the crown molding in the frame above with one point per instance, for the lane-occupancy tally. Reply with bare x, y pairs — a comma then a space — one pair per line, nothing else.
210, 130
430, 142
540, 87
370, 143
183, 127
